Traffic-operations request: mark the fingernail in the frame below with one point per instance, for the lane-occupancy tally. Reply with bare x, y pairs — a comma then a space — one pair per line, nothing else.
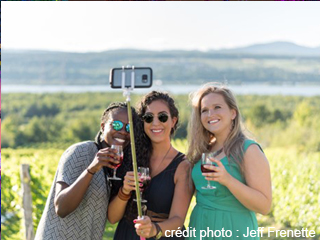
134, 221
140, 184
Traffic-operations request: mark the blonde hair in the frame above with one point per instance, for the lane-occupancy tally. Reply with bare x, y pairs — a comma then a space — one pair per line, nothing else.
201, 140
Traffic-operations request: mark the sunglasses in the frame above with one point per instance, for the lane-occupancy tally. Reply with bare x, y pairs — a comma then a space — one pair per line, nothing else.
118, 125
148, 118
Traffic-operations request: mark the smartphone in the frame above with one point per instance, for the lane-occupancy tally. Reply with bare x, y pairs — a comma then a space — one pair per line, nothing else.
143, 77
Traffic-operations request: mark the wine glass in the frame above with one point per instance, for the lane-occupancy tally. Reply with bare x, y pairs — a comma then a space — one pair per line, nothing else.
120, 154
146, 179
206, 161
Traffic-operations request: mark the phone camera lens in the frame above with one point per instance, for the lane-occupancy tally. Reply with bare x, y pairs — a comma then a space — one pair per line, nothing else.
144, 78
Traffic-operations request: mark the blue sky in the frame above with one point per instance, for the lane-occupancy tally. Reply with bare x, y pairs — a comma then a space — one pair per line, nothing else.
98, 26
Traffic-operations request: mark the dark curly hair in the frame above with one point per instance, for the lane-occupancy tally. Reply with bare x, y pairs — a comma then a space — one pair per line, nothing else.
164, 97
131, 212
143, 143
142, 155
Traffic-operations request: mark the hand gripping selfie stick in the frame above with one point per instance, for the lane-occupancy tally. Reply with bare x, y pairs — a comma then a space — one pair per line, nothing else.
126, 92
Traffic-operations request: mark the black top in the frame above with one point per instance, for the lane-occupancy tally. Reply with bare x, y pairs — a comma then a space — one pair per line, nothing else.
159, 195
160, 192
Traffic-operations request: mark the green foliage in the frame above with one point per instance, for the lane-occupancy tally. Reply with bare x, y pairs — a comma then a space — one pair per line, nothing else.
42, 109
305, 111
43, 164
260, 115
271, 118
298, 128
296, 188
109, 231
181, 145
10, 207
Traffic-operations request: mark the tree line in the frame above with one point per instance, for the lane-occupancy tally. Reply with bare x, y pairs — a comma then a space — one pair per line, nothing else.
61, 119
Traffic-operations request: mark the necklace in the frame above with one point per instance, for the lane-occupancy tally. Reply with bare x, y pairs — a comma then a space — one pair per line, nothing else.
216, 153
163, 159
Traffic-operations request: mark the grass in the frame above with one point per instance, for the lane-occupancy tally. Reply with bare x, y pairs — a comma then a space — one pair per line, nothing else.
109, 231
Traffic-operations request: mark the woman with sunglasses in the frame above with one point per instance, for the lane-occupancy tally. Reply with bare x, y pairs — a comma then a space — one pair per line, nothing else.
168, 194
238, 172
78, 200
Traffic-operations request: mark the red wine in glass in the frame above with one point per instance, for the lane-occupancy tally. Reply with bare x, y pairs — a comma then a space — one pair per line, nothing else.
206, 161
206, 170
146, 179
119, 164
120, 154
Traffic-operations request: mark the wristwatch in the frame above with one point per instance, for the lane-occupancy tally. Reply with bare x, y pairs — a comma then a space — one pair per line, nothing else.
159, 231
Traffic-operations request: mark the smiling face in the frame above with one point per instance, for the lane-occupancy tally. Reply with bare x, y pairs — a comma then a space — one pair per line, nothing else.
216, 116
112, 136
156, 130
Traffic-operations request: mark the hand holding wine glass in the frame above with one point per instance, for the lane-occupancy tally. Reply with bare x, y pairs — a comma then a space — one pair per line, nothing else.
205, 161
145, 179
222, 176
120, 158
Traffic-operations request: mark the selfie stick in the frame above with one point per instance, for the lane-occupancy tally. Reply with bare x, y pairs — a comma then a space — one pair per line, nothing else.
126, 92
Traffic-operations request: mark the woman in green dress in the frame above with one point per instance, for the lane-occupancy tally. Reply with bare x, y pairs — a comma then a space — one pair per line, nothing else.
240, 171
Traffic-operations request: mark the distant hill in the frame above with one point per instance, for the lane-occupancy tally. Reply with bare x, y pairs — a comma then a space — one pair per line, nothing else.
274, 63
275, 48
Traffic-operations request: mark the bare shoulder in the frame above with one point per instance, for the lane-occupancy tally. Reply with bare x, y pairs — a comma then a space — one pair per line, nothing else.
185, 164
183, 170
254, 155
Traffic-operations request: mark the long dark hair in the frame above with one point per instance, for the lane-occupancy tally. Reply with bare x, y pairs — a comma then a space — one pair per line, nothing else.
143, 143
146, 148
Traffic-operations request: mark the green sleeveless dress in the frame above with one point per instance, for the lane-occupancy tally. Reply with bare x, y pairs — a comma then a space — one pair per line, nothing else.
218, 209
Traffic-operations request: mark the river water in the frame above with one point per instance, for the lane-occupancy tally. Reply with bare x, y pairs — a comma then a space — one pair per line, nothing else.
298, 90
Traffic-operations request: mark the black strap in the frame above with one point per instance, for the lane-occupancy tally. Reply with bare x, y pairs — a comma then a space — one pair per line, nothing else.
176, 161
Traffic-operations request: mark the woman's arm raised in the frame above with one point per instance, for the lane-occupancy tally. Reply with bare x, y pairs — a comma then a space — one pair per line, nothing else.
181, 199
68, 198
